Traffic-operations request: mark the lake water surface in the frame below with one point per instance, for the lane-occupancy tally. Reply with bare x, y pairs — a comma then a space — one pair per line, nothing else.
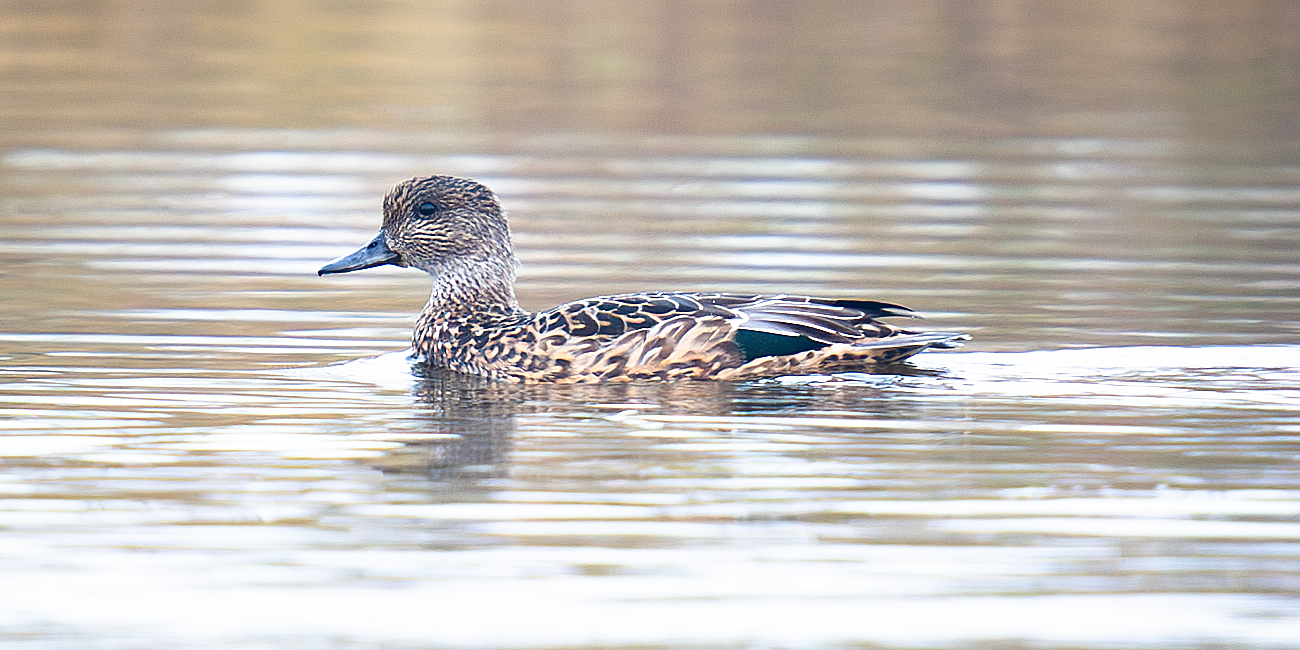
205, 445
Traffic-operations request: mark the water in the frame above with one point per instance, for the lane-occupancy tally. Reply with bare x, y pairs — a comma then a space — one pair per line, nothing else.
203, 444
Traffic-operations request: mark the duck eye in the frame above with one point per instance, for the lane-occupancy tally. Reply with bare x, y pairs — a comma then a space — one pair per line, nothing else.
426, 209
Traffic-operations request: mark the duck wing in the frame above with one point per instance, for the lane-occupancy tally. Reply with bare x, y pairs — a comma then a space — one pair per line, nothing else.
763, 325
778, 325
820, 320
667, 335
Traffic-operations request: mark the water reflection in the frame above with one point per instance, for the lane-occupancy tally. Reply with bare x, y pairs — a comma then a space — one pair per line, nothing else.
471, 424
984, 243
203, 445
851, 492
170, 385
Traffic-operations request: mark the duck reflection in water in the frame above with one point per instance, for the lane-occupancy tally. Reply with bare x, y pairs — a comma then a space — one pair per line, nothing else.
474, 419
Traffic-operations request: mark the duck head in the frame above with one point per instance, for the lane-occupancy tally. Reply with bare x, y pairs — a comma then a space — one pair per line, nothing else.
438, 224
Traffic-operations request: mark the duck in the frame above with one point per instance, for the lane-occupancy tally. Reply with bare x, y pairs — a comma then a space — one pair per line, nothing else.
455, 230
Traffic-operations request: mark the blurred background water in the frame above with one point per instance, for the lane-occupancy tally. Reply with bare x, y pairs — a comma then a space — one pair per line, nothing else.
204, 445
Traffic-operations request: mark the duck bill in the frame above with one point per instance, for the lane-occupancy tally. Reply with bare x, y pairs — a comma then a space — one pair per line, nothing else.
376, 253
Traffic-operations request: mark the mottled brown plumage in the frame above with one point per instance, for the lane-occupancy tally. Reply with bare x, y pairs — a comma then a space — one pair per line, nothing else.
454, 229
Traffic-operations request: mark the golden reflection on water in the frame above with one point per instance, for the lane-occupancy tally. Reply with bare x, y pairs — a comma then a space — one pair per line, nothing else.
202, 443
